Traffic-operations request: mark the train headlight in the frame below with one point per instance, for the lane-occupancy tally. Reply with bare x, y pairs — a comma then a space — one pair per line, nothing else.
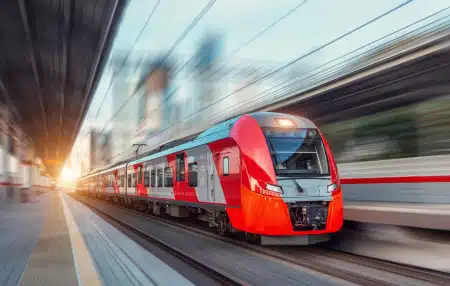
333, 187
273, 188
285, 122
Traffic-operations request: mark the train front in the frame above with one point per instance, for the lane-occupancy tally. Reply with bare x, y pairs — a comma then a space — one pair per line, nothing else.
293, 194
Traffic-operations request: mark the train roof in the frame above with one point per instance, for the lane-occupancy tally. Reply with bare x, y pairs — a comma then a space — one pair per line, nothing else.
219, 131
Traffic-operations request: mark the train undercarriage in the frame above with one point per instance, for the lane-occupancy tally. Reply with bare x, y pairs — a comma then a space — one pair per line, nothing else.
304, 216
217, 219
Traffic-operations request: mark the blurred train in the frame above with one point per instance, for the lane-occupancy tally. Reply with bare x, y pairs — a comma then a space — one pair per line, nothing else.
269, 175
400, 155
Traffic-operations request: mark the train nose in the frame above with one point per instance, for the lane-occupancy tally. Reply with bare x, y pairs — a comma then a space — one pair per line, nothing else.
304, 188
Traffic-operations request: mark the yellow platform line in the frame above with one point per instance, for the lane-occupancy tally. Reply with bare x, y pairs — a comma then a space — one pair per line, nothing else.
86, 271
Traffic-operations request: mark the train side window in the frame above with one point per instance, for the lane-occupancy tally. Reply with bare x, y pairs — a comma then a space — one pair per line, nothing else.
147, 179
168, 177
133, 180
193, 174
153, 179
180, 167
226, 166
139, 178
159, 181
122, 181
129, 180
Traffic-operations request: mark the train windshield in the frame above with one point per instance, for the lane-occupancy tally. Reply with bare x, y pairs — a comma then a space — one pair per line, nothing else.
297, 152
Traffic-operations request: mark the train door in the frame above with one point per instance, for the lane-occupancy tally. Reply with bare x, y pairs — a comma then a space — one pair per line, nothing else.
210, 167
180, 175
138, 169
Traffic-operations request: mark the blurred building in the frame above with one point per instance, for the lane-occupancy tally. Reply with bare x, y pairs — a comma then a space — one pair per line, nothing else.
121, 127
153, 108
100, 149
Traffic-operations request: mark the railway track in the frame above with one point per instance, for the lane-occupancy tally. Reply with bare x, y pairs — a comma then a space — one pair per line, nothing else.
216, 274
352, 268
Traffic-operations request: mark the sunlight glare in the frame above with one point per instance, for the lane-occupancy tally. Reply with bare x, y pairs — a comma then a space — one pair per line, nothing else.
67, 174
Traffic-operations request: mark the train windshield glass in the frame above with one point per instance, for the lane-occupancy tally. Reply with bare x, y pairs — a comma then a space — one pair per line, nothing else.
297, 152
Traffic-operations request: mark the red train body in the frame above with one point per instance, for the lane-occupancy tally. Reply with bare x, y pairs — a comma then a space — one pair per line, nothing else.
270, 175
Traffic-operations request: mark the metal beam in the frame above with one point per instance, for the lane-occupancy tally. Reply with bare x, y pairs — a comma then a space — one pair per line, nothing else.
364, 72
26, 27
66, 35
11, 106
118, 7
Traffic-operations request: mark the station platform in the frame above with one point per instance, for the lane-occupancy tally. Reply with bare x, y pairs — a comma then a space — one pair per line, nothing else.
53, 240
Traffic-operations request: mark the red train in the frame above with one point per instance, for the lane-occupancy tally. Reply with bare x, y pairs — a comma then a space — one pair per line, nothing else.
269, 175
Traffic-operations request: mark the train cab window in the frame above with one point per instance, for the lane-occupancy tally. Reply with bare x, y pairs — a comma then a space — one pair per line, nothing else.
226, 166
146, 179
193, 174
298, 151
153, 178
180, 167
159, 181
168, 177
129, 180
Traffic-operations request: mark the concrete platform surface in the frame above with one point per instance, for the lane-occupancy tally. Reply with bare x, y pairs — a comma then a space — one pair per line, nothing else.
20, 227
57, 241
52, 261
118, 259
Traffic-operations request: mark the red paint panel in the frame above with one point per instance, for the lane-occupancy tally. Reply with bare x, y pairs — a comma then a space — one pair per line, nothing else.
248, 135
231, 184
270, 216
183, 191
332, 162
115, 182
140, 189
396, 180
9, 184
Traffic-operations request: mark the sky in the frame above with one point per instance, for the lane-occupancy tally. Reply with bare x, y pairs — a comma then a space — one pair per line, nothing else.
310, 26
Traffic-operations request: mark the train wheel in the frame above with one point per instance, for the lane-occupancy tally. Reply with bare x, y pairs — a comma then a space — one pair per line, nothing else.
223, 225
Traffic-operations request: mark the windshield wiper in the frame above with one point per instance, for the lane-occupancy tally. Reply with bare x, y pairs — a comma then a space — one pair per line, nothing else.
277, 161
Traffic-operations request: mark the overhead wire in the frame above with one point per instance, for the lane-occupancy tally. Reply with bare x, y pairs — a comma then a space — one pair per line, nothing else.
171, 49
324, 77
120, 69
259, 34
288, 64
141, 32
